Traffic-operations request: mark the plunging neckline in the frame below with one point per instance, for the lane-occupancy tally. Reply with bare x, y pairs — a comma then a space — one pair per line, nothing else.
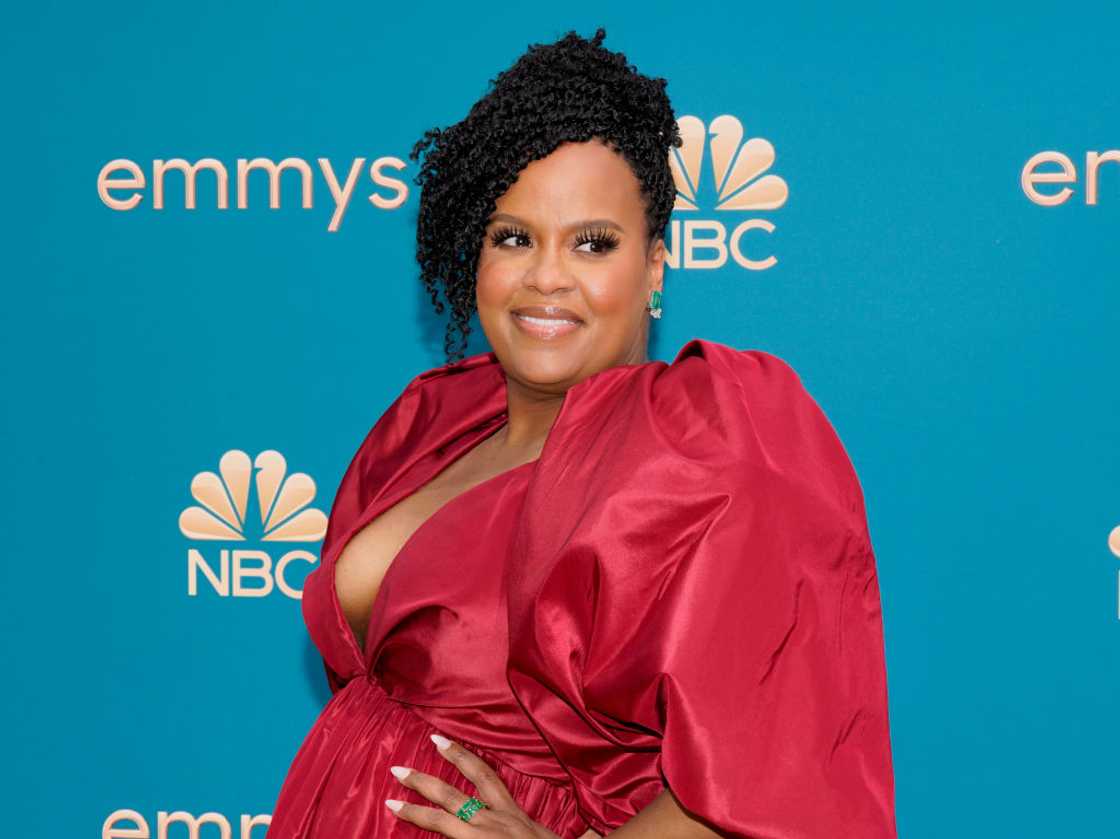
391, 499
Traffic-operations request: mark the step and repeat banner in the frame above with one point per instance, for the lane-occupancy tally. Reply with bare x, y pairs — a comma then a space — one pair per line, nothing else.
210, 295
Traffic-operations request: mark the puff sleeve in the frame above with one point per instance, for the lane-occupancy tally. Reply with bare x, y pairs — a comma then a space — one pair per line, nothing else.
767, 652
697, 606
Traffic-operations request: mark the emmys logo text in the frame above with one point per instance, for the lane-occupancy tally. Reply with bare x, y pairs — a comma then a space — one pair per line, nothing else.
123, 174
1067, 173
129, 824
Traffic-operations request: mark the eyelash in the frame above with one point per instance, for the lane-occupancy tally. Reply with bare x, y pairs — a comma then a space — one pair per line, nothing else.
607, 239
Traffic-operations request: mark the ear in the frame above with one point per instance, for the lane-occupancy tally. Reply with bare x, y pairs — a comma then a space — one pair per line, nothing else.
655, 265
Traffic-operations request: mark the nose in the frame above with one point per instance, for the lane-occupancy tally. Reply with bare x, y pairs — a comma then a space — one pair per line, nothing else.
547, 271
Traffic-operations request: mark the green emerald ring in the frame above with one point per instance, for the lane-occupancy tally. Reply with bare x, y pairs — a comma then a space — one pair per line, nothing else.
471, 806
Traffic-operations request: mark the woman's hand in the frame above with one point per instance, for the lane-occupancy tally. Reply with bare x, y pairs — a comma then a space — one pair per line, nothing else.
501, 818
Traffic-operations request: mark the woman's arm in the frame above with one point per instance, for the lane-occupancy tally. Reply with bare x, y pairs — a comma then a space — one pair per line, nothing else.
662, 818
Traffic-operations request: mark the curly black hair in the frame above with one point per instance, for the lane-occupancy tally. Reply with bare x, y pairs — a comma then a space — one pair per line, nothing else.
570, 90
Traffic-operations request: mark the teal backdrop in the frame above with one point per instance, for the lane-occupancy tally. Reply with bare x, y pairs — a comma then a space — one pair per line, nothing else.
958, 326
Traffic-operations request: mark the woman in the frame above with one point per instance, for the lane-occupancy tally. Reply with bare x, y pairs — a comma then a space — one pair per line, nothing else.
568, 591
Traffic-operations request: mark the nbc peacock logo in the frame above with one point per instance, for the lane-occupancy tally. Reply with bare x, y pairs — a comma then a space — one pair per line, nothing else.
223, 514
1114, 546
736, 180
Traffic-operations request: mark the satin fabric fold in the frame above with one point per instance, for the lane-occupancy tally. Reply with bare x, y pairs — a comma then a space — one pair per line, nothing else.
338, 781
694, 603
435, 657
692, 597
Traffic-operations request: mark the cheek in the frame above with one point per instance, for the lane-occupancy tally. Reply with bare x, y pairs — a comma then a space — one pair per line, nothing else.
616, 291
491, 286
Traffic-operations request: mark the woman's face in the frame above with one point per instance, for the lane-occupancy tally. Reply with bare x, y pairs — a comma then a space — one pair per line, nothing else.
567, 246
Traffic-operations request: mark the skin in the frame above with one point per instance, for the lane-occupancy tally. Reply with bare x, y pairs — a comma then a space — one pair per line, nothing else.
608, 288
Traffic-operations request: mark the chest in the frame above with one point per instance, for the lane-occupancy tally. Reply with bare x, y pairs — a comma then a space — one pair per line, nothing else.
365, 559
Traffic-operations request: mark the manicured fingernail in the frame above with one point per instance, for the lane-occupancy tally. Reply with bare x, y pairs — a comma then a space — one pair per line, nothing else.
440, 741
400, 771
393, 804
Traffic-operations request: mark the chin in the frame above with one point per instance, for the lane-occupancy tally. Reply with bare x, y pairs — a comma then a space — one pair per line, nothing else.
543, 363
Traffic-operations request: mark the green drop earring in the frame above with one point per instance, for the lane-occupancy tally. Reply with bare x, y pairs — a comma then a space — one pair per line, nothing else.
655, 304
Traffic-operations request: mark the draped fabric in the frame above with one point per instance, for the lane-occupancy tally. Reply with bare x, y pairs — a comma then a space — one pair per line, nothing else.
433, 662
690, 591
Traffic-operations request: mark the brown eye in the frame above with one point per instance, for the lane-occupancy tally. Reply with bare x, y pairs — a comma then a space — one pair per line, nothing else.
503, 234
601, 239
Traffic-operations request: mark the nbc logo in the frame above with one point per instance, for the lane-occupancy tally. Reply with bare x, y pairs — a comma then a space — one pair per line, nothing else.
736, 183
1114, 546
284, 513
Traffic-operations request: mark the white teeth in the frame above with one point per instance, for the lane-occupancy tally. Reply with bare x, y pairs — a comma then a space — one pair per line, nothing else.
545, 321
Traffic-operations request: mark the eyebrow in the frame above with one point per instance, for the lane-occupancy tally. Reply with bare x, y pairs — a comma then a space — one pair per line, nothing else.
591, 222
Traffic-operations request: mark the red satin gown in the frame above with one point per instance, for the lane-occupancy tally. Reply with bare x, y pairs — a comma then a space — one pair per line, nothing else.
679, 592
436, 660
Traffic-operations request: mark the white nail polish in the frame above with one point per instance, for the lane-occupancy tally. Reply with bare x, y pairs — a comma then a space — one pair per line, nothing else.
400, 771
393, 804
440, 741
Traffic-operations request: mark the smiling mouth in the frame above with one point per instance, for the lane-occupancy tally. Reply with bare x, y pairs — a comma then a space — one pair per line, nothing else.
545, 328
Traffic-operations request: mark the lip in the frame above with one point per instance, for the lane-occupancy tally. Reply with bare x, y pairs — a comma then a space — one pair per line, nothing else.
552, 312
546, 322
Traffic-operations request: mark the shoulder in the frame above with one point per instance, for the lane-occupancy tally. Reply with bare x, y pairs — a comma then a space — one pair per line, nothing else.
748, 412
435, 406
727, 391
702, 363
466, 379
